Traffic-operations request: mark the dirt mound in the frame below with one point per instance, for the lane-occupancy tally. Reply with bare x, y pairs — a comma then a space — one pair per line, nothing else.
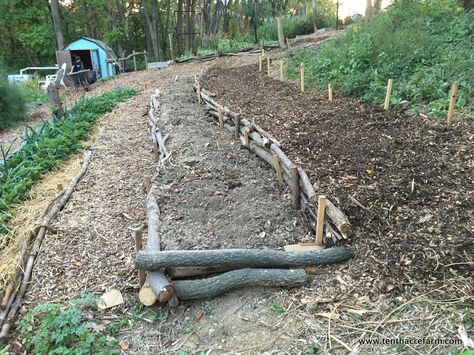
406, 183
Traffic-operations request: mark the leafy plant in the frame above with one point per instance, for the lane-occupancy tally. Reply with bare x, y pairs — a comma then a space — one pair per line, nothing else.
12, 104
277, 309
45, 148
55, 328
423, 45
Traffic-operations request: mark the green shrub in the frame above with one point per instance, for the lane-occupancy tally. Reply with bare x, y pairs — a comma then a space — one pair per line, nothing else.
12, 104
53, 142
423, 45
300, 25
55, 328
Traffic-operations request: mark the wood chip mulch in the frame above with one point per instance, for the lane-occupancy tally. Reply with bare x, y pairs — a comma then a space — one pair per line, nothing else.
406, 183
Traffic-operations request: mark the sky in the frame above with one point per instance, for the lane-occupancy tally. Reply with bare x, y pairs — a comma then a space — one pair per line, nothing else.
351, 7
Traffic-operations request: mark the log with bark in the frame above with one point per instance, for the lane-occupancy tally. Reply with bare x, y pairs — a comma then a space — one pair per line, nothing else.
157, 280
214, 286
241, 258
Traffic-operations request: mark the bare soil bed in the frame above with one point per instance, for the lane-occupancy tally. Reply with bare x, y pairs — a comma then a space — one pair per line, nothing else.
412, 178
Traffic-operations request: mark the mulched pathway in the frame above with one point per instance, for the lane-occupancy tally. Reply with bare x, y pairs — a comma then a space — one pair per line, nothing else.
413, 177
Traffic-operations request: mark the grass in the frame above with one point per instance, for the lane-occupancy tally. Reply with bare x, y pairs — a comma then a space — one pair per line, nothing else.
32, 91
44, 149
423, 45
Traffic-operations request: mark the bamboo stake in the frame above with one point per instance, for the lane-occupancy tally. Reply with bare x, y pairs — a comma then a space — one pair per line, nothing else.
452, 102
302, 76
276, 163
220, 114
281, 70
263, 52
320, 222
137, 236
260, 64
330, 92
389, 94
268, 66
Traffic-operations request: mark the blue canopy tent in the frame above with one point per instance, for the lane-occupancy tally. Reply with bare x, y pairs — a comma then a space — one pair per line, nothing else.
93, 53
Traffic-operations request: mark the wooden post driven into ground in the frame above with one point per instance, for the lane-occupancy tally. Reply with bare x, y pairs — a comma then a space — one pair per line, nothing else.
146, 59
134, 61
268, 66
389, 94
281, 69
302, 76
320, 221
330, 92
260, 64
452, 102
170, 38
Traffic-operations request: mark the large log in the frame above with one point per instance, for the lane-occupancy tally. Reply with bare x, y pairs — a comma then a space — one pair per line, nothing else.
240, 258
214, 286
157, 280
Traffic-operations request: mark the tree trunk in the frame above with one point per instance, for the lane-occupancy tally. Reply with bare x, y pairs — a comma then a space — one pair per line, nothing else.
368, 9
179, 26
214, 286
281, 37
241, 258
152, 22
216, 18
55, 14
377, 6
187, 18
468, 4
315, 16
225, 27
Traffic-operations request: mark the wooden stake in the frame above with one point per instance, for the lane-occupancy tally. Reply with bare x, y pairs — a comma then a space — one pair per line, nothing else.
302, 76
452, 102
198, 92
320, 222
281, 70
146, 59
147, 184
330, 92
296, 189
134, 61
220, 114
137, 236
260, 64
276, 163
263, 52
268, 66
389, 94
237, 127
246, 137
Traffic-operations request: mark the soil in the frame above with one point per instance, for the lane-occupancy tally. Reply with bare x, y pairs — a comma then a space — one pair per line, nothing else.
412, 177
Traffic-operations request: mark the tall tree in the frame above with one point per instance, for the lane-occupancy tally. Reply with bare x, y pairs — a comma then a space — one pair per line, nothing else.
152, 20
315, 15
56, 16
368, 9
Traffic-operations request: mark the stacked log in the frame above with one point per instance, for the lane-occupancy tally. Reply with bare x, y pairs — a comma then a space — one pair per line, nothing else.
264, 145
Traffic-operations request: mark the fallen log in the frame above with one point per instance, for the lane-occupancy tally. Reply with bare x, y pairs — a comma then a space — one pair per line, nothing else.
157, 280
214, 286
240, 258
185, 272
308, 188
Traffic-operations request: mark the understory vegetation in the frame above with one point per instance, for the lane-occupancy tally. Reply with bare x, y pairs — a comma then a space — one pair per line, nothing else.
45, 148
12, 104
424, 46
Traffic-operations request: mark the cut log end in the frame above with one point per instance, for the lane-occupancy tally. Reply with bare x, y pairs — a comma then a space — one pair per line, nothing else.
147, 296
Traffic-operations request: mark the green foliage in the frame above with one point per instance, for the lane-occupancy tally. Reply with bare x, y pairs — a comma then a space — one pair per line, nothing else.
423, 45
32, 91
54, 328
53, 142
277, 309
12, 104
300, 25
